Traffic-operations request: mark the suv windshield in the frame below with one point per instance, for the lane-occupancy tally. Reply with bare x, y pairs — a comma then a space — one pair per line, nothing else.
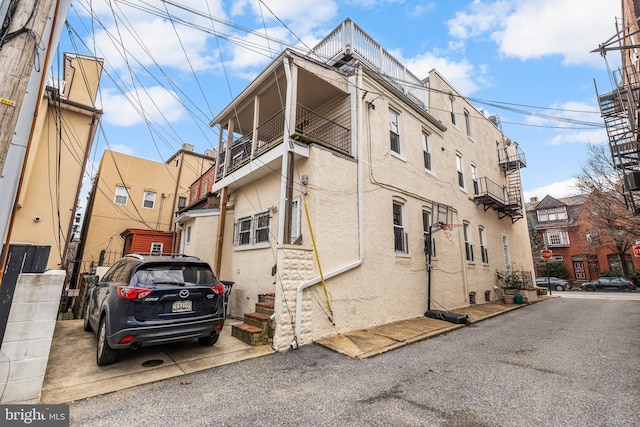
174, 273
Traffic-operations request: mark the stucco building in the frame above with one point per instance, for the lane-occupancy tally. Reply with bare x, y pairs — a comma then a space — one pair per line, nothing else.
334, 168
60, 145
132, 193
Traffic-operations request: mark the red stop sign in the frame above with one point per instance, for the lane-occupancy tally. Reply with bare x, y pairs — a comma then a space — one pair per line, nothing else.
547, 254
636, 251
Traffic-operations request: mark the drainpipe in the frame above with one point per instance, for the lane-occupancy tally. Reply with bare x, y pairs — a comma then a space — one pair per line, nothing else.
356, 104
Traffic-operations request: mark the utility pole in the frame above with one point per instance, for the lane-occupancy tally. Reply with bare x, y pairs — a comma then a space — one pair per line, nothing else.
22, 31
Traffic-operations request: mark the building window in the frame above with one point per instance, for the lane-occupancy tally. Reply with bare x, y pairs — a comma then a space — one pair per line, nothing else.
467, 123
194, 193
552, 214
394, 131
468, 247
122, 196
205, 188
474, 178
556, 238
472, 297
452, 110
483, 246
156, 248
149, 200
506, 253
188, 238
426, 224
399, 234
243, 231
593, 236
253, 229
460, 171
426, 151
182, 202
262, 228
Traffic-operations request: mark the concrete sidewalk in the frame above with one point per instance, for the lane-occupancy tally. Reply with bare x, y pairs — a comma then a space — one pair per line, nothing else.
72, 373
373, 341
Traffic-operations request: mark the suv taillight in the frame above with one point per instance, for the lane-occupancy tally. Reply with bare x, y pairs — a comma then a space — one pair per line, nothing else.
218, 289
126, 292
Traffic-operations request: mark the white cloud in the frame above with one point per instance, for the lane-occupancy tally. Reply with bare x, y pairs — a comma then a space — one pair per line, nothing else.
557, 189
531, 29
158, 104
463, 75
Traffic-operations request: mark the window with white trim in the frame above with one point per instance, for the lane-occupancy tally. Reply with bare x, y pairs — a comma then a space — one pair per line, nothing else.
552, 214
468, 246
467, 123
122, 196
474, 179
556, 238
452, 110
156, 248
205, 188
460, 170
188, 238
149, 200
483, 246
394, 131
399, 233
426, 151
194, 193
252, 229
506, 253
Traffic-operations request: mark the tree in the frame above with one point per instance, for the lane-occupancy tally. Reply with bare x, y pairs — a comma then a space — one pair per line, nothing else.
606, 207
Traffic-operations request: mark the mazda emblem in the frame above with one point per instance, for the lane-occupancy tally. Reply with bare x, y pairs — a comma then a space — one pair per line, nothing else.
183, 293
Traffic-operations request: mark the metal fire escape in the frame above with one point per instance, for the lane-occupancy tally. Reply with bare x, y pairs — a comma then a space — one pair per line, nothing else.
619, 110
505, 199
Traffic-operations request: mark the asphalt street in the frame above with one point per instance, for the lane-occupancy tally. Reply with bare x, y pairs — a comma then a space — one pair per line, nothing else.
563, 362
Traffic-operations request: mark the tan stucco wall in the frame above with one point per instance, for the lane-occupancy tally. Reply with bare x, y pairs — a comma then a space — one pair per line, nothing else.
54, 166
108, 220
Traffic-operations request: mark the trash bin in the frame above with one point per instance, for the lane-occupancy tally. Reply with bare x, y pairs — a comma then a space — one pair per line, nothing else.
517, 299
227, 291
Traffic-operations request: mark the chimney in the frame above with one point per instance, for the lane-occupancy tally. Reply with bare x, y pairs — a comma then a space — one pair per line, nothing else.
533, 199
188, 147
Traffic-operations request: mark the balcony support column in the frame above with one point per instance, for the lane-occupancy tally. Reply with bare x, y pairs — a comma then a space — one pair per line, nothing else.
256, 123
286, 186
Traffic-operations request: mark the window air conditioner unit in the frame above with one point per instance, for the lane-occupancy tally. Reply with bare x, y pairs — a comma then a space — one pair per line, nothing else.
557, 258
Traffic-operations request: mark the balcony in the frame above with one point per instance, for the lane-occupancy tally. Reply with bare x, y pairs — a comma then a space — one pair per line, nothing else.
505, 200
513, 162
310, 128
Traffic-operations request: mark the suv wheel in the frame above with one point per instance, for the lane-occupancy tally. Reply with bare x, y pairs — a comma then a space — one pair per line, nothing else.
626, 288
208, 341
106, 355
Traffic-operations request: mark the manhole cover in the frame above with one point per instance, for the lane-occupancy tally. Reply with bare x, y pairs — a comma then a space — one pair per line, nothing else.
153, 362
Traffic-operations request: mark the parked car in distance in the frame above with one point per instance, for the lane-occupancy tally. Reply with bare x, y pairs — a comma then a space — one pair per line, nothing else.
609, 283
555, 282
149, 300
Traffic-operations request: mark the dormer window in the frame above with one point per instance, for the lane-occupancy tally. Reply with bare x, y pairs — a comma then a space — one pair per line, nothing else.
552, 214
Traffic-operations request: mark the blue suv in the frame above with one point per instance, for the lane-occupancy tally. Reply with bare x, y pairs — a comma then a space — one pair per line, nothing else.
149, 300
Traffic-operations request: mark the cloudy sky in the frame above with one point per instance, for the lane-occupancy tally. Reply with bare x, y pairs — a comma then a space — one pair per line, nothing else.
172, 65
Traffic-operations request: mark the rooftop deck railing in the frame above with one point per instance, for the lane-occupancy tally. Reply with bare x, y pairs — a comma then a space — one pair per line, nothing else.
349, 39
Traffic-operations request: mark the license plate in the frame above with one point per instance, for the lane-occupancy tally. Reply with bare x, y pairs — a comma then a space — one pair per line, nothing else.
180, 306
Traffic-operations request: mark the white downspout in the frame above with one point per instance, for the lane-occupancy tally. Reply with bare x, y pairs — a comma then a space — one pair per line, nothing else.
356, 104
